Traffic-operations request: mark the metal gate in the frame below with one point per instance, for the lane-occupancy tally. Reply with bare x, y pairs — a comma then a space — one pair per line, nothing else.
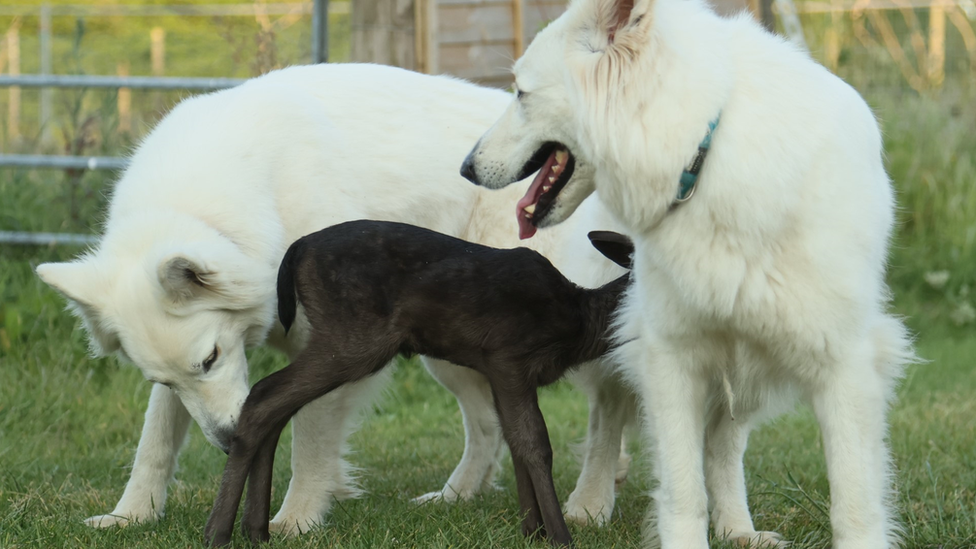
320, 54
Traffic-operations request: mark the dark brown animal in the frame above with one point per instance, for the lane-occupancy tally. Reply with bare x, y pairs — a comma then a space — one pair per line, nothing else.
371, 290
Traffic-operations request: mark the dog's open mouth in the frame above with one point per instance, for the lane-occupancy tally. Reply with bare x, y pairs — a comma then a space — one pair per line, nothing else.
555, 164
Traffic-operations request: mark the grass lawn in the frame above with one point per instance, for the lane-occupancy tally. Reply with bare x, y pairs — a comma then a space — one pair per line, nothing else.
69, 426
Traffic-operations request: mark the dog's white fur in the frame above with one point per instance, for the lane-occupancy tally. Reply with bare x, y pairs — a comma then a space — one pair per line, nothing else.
197, 226
767, 285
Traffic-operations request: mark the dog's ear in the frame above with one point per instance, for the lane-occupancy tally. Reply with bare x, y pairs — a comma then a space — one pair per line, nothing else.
615, 246
83, 285
215, 272
617, 18
183, 278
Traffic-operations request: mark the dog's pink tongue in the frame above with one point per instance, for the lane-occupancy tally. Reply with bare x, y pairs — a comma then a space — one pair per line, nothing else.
526, 228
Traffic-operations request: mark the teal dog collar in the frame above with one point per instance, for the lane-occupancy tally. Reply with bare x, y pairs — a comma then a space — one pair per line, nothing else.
689, 177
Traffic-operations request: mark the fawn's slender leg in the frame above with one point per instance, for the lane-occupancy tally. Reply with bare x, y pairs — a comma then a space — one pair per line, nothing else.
532, 523
257, 503
272, 401
528, 439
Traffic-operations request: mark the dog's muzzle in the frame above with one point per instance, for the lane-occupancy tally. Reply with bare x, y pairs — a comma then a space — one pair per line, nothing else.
224, 436
467, 168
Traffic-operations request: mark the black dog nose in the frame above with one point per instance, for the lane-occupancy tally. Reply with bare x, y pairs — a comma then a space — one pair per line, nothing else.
467, 169
225, 436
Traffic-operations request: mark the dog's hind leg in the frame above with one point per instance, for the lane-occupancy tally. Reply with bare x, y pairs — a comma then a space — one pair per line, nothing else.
163, 433
482, 435
611, 405
725, 444
319, 471
850, 405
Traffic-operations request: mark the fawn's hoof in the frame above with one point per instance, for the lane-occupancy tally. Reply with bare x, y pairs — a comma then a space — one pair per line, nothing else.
214, 536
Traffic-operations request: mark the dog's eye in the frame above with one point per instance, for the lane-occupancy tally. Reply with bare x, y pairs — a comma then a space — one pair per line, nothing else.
519, 94
209, 362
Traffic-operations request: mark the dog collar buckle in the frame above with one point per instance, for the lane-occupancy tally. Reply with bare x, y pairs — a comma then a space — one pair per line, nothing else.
689, 177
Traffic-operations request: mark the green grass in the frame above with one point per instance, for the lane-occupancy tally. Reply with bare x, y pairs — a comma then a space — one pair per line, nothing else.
69, 423
69, 426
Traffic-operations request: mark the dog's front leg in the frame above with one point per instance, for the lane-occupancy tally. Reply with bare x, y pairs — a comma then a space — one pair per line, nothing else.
850, 407
162, 437
319, 472
674, 391
725, 444
611, 406
482, 434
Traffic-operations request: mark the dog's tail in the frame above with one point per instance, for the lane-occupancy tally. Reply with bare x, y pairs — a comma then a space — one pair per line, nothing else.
287, 298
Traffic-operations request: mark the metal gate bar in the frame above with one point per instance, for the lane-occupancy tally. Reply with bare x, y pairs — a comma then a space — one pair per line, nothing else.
320, 54
135, 82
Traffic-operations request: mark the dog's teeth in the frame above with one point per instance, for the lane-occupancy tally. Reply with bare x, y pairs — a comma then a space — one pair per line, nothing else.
545, 188
530, 209
552, 179
561, 157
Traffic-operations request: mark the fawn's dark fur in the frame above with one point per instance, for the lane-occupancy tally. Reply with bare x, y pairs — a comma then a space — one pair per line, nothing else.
371, 290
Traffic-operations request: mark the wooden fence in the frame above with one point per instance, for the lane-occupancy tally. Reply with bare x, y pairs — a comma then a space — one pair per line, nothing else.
474, 39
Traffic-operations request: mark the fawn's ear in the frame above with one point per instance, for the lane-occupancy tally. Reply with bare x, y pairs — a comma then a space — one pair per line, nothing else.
615, 246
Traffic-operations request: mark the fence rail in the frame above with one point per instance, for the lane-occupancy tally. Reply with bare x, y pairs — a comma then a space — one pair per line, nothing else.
46, 239
207, 10
134, 82
63, 162
317, 8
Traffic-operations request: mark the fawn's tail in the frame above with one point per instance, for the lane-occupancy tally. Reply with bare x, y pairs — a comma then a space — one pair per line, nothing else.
287, 298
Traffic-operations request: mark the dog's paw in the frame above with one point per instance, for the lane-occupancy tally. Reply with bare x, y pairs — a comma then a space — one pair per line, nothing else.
758, 540
429, 497
291, 527
443, 496
107, 521
588, 513
449, 495
623, 468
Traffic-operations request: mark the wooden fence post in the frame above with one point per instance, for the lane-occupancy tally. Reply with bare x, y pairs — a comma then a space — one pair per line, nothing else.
832, 38
518, 27
124, 100
157, 54
936, 61
425, 42
45, 46
386, 32
13, 68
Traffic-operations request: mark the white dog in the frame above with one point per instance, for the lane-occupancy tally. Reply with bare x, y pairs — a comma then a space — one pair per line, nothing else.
752, 182
183, 279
